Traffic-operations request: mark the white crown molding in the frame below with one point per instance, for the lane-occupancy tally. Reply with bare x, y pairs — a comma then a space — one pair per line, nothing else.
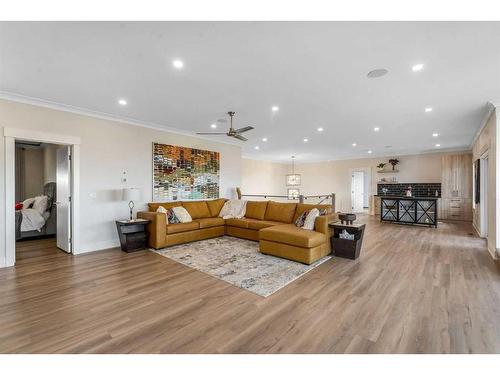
490, 107
371, 156
102, 115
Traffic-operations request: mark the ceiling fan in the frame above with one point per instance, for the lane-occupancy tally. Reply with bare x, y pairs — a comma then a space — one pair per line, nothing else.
235, 133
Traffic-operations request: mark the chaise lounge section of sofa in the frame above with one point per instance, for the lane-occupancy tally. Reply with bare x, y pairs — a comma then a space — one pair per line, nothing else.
270, 223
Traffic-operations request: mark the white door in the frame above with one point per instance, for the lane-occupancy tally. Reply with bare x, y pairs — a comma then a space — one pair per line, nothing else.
357, 191
63, 199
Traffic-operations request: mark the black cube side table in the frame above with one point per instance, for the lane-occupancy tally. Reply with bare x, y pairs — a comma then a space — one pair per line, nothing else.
133, 234
343, 247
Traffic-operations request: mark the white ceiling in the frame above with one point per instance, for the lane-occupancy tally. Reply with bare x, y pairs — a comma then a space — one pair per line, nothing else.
314, 71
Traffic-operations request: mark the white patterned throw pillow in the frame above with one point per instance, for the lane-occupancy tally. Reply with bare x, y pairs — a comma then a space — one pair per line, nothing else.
233, 208
162, 210
311, 219
182, 214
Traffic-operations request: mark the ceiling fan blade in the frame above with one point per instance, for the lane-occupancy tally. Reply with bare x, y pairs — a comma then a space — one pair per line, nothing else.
240, 137
211, 133
242, 130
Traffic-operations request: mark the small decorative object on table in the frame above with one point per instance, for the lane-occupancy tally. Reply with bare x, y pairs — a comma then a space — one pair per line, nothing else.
133, 234
347, 218
347, 239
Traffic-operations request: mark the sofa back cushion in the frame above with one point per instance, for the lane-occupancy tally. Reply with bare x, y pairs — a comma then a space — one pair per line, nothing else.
167, 205
215, 206
282, 212
197, 210
301, 207
256, 210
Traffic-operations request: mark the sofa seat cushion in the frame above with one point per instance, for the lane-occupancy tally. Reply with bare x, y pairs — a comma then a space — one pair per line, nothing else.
291, 235
209, 222
240, 223
282, 212
261, 224
182, 227
197, 210
256, 210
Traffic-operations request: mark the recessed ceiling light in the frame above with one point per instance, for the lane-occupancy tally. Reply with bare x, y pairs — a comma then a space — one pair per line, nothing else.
264, 139
376, 73
428, 109
213, 126
354, 144
306, 140
435, 134
257, 147
178, 64
122, 102
417, 68
275, 108
370, 151
438, 145
376, 129
320, 129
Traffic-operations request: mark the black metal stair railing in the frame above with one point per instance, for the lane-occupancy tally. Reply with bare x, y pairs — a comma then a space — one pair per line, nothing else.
301, 198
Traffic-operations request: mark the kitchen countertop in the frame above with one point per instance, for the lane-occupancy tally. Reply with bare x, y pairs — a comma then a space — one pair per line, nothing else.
388, 196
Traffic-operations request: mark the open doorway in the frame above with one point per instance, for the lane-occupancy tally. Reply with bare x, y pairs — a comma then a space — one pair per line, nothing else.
360, 182
63, 190
43, 198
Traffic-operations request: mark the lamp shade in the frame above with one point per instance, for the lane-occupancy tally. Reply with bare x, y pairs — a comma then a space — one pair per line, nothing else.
131, 194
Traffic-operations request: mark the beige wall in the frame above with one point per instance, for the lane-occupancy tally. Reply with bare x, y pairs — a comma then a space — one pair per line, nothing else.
262, 177
33, 172
486, 142
335, 176
108, 148
35, 166
49, 163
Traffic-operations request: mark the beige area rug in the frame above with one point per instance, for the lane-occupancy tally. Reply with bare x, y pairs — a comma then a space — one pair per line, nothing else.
239, 262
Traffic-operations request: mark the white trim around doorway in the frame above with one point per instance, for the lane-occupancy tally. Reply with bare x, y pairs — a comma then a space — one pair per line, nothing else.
483, 194
368, 171
8, 243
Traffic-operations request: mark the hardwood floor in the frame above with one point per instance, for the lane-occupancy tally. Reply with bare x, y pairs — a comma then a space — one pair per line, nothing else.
413, 290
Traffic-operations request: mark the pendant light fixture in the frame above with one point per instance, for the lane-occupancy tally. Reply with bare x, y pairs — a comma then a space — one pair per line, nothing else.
293, 179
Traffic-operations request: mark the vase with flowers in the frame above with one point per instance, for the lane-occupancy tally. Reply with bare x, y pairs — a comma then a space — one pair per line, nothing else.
381, 166
393, 162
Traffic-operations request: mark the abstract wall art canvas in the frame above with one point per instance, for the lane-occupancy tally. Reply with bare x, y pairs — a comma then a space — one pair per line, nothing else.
181, 173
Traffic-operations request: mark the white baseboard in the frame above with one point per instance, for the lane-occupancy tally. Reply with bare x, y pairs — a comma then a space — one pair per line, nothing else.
476, 229
492, 252
98, 246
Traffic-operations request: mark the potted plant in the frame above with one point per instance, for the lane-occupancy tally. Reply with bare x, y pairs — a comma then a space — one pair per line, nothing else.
393, 162
381, 166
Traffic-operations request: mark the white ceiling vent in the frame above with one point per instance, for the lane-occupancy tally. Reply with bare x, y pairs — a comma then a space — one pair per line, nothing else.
377, 73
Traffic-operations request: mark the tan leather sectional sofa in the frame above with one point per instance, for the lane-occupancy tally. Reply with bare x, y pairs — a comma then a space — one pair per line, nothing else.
270, 223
